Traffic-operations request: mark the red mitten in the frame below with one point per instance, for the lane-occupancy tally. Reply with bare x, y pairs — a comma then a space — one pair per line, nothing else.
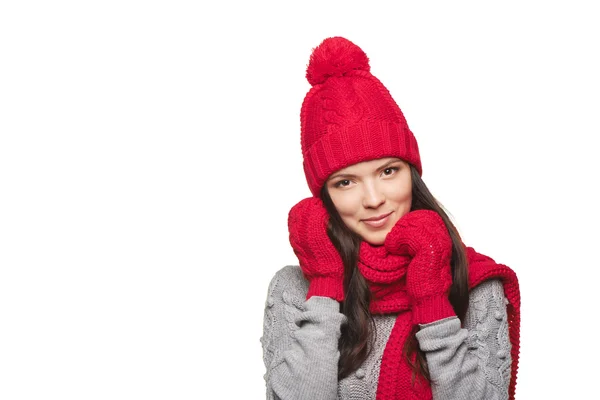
319, 259
422, 234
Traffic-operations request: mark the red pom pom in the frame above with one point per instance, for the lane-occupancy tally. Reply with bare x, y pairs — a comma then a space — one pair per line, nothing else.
335, 56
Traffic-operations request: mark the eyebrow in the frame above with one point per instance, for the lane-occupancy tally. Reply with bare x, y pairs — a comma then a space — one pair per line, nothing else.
387, 164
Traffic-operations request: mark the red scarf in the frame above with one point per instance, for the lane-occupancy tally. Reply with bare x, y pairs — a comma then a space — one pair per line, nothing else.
385, 274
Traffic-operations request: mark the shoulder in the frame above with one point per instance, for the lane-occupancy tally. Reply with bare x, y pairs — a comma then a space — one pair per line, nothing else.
491, 288
483, 268
289, 284
487, 304
290, 273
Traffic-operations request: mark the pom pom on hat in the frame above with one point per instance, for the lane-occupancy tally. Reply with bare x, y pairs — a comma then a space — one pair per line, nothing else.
335, 56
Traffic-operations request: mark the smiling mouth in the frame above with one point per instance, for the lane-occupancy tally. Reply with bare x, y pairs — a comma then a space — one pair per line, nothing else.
377, 222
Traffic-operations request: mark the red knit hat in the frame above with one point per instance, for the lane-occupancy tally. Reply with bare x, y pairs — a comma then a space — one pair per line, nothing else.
348, 116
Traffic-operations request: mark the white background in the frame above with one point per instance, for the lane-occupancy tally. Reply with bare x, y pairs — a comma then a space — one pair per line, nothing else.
150, 152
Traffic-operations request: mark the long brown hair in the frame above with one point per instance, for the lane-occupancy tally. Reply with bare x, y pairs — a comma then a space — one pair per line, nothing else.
356, 335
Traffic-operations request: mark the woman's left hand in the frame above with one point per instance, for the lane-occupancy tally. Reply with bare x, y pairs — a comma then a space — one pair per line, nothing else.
423, 235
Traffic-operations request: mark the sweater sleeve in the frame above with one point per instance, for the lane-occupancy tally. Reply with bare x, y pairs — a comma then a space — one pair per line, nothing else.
300, 340
470, 363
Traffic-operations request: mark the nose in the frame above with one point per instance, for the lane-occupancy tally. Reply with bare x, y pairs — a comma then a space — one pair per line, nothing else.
373, 197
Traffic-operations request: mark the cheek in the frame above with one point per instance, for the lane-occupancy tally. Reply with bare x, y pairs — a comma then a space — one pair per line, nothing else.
402, 195
347, 205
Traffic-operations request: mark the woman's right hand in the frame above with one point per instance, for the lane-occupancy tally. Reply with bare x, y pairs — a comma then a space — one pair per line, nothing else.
319, 259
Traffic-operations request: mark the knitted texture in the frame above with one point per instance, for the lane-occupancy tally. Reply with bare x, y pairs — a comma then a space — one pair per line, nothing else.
348, 116
395, 380
488, 335
291, 351
396, 375
320, 261
362, 384
384, 272
423, 235
482, 268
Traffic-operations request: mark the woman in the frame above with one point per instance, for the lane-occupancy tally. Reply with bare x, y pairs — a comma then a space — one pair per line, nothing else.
387, 302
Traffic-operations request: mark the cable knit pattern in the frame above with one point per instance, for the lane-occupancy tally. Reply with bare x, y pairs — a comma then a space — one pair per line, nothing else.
482, 268
488, 332
423, 235
483, 368
300, 340
348, 115
278, 319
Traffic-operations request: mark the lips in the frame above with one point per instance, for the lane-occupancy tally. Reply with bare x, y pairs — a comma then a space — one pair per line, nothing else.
378, 221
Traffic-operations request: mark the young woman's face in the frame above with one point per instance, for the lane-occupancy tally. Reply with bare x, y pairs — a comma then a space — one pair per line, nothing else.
372, 196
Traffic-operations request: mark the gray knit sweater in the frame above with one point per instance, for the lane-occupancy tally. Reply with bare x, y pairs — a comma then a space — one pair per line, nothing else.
300, 346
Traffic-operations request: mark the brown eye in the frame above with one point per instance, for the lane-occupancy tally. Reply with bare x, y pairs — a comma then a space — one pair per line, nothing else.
390, 170
342, 183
